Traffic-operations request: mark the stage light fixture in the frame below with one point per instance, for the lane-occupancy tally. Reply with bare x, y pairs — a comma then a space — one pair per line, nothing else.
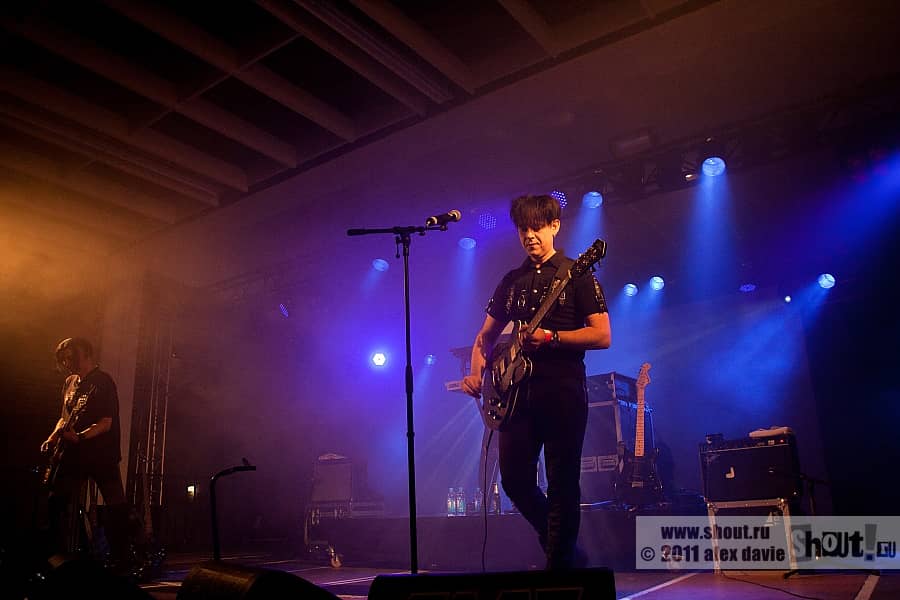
713, 166
466, 243
826, 281
748, 287
430, 359
379, 264
592, 199
560, 197
657, 283
487, 221
630, 289
379, 359
788, 299
284, 310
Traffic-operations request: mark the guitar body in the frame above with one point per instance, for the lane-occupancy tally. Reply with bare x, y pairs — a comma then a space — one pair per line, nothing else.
502, 384
637, 481
59, 446
52, 468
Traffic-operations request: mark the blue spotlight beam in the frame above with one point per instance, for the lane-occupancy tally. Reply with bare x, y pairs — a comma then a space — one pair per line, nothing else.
403, 236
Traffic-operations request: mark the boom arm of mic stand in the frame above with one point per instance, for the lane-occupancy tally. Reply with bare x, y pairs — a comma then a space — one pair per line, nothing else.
217, 555
399, 230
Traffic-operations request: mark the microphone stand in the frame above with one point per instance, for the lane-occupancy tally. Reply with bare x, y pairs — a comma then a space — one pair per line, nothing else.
403, 235
246, 466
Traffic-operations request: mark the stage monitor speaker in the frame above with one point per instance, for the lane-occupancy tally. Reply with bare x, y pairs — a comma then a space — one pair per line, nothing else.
78, 577
222, 581
574, 584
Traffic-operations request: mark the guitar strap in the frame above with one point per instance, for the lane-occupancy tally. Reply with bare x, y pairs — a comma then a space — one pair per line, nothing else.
565, 264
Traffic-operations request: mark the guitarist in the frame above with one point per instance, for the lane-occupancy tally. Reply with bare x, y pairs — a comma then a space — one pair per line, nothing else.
89, 450
553, 406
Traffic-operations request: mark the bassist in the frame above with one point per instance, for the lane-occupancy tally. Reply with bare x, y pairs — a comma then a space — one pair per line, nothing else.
552, 401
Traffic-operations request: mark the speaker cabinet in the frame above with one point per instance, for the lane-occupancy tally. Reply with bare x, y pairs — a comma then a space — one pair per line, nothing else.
221, 581
575, 584
73, 576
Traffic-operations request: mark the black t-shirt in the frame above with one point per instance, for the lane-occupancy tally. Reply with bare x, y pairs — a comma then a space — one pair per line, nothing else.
102, 400
521, 292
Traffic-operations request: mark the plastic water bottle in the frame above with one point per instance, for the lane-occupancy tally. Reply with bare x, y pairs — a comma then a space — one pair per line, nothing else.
476, 502
495, 499
460, 502
451, 503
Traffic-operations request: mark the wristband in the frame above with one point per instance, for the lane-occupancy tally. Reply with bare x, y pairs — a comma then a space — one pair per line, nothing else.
554, 340
548, 336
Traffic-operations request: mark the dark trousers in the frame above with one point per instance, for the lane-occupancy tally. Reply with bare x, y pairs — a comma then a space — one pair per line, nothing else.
67, 497
552, 414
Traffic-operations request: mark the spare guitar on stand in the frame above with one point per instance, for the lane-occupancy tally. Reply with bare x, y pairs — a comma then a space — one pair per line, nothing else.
637, 480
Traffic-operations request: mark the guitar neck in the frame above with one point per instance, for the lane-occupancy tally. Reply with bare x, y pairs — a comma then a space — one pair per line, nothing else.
547, 304
639, 424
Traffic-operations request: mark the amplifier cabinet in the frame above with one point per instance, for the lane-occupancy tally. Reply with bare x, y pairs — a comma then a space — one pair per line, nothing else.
610, 387
750, 469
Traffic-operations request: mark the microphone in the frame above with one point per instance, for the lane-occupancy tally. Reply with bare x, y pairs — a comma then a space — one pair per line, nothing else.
448, 217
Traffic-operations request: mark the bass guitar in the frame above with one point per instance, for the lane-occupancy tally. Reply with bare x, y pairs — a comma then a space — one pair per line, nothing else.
509, 365
637, 481
59, 446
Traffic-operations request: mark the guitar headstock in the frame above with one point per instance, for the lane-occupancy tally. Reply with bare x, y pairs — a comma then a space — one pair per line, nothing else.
593, 254
643, 377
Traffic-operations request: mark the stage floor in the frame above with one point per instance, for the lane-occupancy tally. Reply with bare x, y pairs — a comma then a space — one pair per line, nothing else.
352, 582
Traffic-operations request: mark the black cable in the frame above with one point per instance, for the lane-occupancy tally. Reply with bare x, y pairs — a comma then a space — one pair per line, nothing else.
487, 447
770, 587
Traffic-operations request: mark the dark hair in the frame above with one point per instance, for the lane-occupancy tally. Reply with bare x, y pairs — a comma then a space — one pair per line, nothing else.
534, 212
75, 343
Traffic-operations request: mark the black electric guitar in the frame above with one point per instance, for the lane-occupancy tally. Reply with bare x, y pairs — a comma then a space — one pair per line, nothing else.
637, 481
58, 448
509, 366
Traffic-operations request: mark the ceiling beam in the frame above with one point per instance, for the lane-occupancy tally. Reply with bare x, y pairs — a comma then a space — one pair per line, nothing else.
41, 125
375, 46
422, 42
145, 83
534, 24
58, 204
359, 61
42, 169
198, 42
61, 102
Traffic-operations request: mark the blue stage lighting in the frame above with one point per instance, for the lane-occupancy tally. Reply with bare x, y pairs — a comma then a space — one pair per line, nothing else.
657, 283
561, 197
379, 359
630, 289
713, 166
826, 281
466, 243
592, 200
379, 264
430, 359
284, 311
748, 287
787, 299
487, 221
